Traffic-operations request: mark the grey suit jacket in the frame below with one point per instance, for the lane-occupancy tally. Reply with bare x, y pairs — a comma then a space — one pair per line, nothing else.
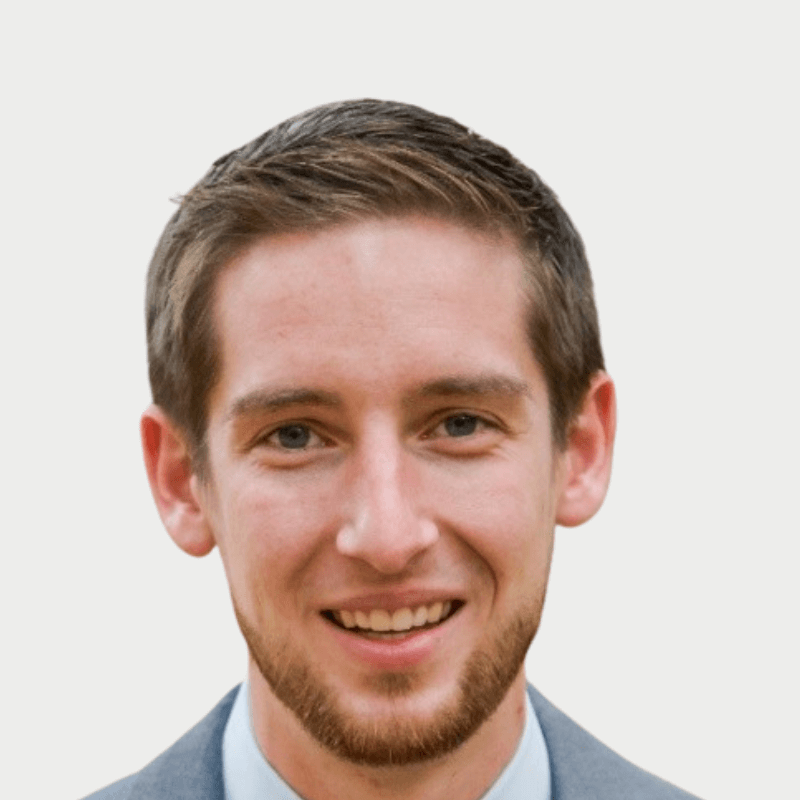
581, 767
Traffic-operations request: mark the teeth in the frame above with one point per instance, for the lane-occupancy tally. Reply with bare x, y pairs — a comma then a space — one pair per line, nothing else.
403, 619
362, 620
435, 612
379, 620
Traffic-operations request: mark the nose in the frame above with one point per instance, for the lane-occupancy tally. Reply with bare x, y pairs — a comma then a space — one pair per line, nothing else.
386, 528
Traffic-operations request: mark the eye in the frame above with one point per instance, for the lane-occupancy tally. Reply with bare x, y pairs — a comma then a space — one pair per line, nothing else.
461, 425
462, 434
294, 437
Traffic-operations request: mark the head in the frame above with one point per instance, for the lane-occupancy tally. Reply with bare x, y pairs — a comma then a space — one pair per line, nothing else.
352, 161
378, 386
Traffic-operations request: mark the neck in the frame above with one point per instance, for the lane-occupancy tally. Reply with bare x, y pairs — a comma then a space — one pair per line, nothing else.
316, 773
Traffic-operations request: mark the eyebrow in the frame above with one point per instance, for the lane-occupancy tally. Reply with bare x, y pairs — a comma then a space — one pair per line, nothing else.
269, 401
475, 385
264, 401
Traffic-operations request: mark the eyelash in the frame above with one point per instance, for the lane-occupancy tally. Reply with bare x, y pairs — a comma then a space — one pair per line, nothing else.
286, 426
481, 424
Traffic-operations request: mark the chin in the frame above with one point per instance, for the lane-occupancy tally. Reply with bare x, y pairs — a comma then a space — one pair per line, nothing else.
413, 726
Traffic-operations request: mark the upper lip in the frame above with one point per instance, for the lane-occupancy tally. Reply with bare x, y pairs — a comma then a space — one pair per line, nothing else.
392, 601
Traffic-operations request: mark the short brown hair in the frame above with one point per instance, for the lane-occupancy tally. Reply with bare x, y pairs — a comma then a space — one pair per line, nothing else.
351, 161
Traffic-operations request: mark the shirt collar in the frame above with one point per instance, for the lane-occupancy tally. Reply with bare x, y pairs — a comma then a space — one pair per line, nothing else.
249, 776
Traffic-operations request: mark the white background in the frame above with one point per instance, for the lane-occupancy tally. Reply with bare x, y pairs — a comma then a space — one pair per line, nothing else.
670, 132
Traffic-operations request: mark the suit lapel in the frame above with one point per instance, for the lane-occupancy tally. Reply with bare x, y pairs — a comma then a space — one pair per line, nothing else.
581, 767
192, 768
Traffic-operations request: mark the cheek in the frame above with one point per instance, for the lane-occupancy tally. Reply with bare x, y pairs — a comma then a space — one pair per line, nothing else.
271, 530
506, 515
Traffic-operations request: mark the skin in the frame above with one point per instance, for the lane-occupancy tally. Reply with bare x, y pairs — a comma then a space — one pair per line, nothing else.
394, 353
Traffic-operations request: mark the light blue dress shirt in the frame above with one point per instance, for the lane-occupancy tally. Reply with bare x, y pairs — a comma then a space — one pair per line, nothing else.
249, 776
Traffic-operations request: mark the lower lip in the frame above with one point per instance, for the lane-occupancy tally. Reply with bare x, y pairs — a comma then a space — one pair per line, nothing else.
395, 653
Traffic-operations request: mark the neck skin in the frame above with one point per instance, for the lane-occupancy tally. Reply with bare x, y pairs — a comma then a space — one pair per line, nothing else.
316, 774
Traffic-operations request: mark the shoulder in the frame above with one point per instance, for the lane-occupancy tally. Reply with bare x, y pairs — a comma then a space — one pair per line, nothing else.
583, 767
116, 791
190, 770
580, 765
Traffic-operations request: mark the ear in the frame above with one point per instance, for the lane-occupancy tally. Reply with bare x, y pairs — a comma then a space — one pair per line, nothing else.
587, 460
174, 484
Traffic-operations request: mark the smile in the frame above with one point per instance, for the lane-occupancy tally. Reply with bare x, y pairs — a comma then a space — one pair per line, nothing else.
379, 620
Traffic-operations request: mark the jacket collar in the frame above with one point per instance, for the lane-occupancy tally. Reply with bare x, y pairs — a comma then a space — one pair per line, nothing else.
580, 766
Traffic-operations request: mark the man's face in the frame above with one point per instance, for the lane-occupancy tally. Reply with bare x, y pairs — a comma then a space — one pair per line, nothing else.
380, 457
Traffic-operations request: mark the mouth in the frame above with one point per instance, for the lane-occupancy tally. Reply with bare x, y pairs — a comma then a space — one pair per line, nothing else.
381, 623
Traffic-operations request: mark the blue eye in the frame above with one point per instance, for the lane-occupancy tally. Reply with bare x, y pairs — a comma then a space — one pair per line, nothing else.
293, 437
461, 425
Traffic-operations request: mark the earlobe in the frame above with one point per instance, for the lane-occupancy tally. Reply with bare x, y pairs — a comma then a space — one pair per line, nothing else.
174, 484
587, 461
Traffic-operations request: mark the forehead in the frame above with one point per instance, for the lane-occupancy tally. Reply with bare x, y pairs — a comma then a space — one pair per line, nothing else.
378, 301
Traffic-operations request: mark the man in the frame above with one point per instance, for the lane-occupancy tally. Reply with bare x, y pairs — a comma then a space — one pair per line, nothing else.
378, 386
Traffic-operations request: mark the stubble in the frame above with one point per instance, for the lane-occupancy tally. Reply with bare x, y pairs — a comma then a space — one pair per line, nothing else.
395, 741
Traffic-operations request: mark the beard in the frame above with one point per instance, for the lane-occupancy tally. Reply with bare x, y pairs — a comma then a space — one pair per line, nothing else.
395, 741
